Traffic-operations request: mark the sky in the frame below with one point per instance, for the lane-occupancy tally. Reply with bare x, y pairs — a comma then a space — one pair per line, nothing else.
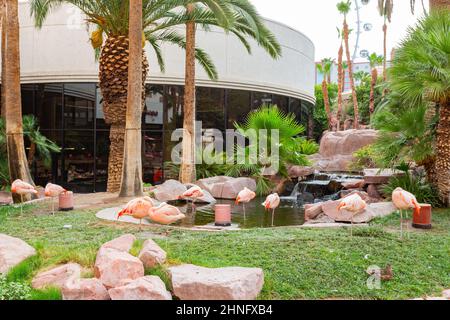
318, 20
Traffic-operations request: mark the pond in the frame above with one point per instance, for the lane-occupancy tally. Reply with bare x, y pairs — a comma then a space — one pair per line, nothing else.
288, 214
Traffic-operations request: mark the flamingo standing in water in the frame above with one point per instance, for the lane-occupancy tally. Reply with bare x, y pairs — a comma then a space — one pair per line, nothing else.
193, 194
404, 200
272, 202
165, 214
22, 188
137, 208
355, 204
245, 196
53, 191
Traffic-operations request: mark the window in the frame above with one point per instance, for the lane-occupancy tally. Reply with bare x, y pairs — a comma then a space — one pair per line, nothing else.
210, 108
238, 106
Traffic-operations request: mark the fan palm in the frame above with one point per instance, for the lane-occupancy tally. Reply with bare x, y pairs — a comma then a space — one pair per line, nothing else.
11, 96
385, 8
110, 19
236, 16
324, 68
344, 8
374, 60
421, 75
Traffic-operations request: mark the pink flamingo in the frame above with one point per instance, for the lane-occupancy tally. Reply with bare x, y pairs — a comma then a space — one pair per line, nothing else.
22, 188
193, 194
355, 204
404, 200
165, 214
245, 196
137, 208
53, 191
272, 202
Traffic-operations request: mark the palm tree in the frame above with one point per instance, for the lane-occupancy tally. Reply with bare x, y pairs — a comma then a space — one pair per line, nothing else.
344, 8
385, 8
110, 18
131, 184
341, 82
324, 68
17, 159
420, 75
374, 60
434, 5
238, 17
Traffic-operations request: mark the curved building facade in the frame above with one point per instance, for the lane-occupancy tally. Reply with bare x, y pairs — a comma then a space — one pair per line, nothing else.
59, 76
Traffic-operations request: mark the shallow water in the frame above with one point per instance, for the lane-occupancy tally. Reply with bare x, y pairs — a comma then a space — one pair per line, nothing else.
288, 214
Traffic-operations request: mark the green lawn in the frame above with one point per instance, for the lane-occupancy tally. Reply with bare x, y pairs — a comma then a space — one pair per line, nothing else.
298, 263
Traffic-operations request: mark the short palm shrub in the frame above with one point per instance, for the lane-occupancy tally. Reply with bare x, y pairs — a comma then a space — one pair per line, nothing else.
365, 158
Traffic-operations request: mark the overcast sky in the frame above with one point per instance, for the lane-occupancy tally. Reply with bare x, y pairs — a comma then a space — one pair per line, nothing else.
318, 19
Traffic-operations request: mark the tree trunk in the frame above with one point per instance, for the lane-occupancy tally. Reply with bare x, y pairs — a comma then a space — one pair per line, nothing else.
340, 86
436, 5
350, 75
443, 153
187, 172
3, 27
372, 90
326, 102
17, 159
131, 184
385, 51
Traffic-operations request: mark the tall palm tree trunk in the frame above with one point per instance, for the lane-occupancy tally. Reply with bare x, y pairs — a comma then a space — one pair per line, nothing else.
340, 86
436, 5
188, 173
350, 75
326, 101
3, 35
132, 162
17, 159
385, 51
443, 153
372, 90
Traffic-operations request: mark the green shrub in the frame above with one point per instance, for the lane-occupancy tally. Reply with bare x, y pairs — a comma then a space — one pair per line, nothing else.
14, 290
364, 158
416, 184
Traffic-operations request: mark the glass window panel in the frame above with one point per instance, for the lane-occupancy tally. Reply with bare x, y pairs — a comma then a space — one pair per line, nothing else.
282, 102
295, 108
79, 105
173, 112
260, 98
152, 157
153, 114
27, 93
102, 153
238, 106
49, 106
210, 108
100, 123
48, 172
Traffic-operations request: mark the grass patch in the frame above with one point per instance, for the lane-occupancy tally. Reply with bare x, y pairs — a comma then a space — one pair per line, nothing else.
297, 263
161, 272
47, 294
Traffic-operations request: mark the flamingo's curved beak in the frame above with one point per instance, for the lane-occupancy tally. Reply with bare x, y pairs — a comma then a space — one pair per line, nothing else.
237, 200
341, 206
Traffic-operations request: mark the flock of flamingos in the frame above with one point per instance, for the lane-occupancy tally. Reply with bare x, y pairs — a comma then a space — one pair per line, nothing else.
145, 207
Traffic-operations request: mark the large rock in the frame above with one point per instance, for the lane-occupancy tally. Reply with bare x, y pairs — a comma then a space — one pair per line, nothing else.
145, 288
312, 211
373, 210
380, 176
337, 148
152, 255
115, 268
57, 277
13, 251
191, 282
300, 171
226, 187
123, 243
170, 190
85, 289
353, 184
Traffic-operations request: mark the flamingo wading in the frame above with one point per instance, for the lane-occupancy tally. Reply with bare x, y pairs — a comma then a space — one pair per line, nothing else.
272, 202
193, 193
245, 196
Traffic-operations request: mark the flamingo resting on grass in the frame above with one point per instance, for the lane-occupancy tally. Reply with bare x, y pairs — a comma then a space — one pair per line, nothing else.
403, 200
22, 188
245, 196
355, 204
138, 208
165, 214
272, 202
193, 194
53, 191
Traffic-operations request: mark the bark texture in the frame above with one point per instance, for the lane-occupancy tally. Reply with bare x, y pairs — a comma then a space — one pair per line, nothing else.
340, 86
443, 153
187, 171
131, 184
373, 83
436, 5
350, 75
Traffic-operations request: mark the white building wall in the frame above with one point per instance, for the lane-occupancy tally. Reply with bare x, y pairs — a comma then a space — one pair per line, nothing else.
61, 52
